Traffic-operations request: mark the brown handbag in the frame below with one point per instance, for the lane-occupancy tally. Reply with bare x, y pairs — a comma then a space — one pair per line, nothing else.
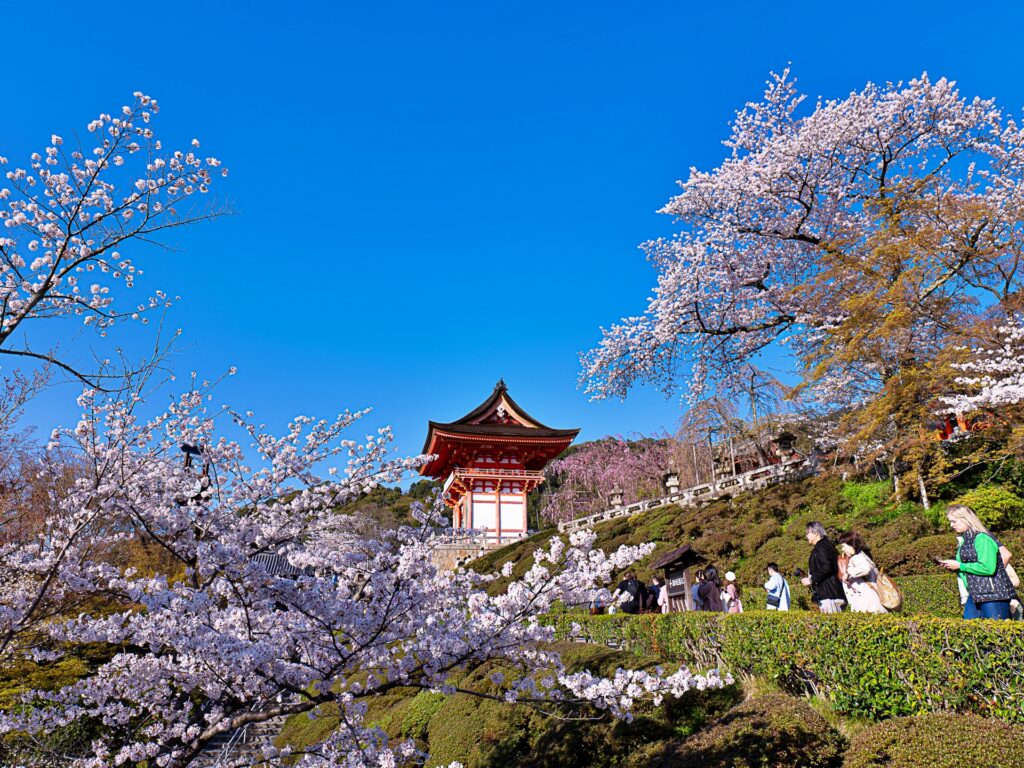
889, 594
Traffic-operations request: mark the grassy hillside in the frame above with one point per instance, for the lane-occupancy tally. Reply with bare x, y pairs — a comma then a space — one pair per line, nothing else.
747, 532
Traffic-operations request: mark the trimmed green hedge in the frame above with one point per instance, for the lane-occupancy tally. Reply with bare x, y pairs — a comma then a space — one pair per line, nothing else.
932, 595
999, 508
867, 666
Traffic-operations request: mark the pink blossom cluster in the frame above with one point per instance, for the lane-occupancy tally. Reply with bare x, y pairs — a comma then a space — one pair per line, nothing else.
224, 639
585, 478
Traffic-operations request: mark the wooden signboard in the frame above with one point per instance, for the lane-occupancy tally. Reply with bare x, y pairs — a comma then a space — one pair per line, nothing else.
677, 565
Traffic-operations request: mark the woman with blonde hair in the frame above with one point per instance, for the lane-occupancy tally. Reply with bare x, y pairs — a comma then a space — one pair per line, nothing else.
979, 566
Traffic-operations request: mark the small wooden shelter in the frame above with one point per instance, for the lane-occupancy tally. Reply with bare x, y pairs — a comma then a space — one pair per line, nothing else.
678, 567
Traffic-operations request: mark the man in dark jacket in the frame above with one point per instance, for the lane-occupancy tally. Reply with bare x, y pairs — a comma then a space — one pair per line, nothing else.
823, 567
631, 594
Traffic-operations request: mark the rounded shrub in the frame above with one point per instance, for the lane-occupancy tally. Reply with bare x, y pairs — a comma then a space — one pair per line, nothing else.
866, 499
772, 730
998, 508
938, 741
906, 557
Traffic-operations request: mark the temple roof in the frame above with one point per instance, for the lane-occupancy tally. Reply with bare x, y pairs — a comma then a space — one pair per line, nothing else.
499, 417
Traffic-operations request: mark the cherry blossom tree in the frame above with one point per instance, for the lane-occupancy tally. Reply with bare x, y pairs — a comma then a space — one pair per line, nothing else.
227, 639
72, 215
864, 237
270, 599
584, 479
989, 395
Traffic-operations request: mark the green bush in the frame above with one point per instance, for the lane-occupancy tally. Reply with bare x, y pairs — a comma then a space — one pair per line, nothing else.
936, 515
867, 499
894, 511
938, 741
867, 666
914, 557
421, 708
997, 507
931, 595
773, 730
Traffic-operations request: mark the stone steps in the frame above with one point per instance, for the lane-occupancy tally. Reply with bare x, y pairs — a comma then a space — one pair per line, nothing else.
245, 744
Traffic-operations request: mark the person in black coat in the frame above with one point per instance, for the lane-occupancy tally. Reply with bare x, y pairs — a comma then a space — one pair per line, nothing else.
631, 594
710, 590
823, 568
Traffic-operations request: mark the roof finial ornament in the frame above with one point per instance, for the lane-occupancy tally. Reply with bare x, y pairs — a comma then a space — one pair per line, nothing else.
500, 385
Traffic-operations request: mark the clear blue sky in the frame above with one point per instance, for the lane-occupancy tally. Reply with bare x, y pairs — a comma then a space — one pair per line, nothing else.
431, 196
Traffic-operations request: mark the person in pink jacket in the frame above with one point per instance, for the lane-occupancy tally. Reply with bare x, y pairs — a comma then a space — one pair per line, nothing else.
732, 590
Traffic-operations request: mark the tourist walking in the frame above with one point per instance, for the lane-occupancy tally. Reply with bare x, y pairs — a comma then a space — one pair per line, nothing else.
698, 604
654, 590
732, 592
979, 567
711, 590
777, 589
823, 569
662, 600
629, 594
861, 577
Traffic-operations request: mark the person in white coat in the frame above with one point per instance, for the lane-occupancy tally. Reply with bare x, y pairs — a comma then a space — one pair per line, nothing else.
663, 596
777, 589
861, 575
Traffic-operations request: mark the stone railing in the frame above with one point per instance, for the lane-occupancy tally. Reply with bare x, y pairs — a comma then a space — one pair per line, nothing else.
696, 495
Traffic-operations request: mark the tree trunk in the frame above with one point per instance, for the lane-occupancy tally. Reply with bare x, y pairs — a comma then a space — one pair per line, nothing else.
924, 492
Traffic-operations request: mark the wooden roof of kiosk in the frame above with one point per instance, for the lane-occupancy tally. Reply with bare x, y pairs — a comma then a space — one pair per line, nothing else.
683, 557
498, 425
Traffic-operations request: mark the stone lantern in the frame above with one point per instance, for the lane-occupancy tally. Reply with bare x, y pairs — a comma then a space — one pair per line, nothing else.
671, 478
615, 497
783, 445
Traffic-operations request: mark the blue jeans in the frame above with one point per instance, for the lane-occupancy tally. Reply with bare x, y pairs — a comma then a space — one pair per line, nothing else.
995, 609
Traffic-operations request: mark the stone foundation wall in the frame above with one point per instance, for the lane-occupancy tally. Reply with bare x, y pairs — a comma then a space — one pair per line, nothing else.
447, 557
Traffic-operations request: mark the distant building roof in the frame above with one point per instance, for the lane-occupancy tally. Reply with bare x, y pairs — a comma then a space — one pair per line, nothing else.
498, 418
277, 565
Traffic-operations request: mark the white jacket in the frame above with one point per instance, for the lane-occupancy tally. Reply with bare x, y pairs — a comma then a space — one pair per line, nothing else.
777, 586
861, 575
